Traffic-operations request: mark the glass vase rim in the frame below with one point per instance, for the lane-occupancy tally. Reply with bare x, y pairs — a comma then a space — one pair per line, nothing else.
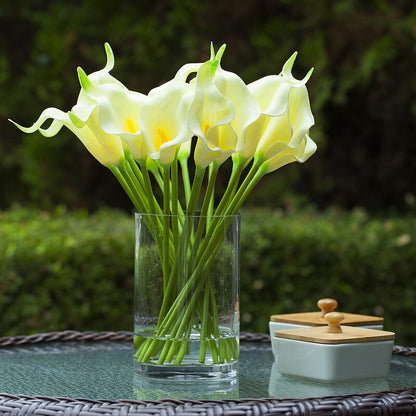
197, 214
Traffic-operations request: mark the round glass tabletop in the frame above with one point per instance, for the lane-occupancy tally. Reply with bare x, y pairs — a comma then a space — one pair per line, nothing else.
104, 371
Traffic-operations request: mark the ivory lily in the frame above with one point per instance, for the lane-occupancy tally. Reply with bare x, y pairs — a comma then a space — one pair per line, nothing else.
209, 118
117, 107
163, 120
106, 148
231, 86
280, 135
220, 112
106, 111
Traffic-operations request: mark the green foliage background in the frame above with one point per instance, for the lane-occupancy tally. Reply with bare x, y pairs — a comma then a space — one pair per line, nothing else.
69, 270
362, 90
65, 269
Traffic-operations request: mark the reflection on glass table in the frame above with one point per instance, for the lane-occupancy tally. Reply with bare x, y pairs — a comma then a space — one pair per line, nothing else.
104, 371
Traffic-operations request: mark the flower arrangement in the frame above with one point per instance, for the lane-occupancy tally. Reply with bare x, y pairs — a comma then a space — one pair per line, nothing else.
204, 115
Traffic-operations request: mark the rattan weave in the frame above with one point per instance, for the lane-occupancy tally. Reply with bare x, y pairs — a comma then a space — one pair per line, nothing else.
401, 402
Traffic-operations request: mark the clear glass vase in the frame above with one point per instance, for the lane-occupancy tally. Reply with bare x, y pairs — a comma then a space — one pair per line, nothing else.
186, 321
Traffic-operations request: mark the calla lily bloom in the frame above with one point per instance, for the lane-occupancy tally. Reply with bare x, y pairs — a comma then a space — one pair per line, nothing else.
163, 120
117, 107
164, 117
106, 148
106, 112
284, 122
280, 154
209, 118
220, 112
231, 86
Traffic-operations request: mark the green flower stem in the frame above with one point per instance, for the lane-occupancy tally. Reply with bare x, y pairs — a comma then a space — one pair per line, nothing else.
208, 239
210, 244
133, 166
195, 191
184, 347
218, 224
212, 240
158, 177
214, 308
147, 185
142, 183
165, 234
231, 202
165, 350
210, 209
238, 168
209, 193
204, 328
180, 314
187, 296
191, 205
247, 187
171, 289
185, 179
175, 202
178, 319
154, 208
138, 202
173, 350
190, 291
135, 185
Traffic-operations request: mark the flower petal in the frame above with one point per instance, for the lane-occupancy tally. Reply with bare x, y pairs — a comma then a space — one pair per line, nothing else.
271, 93
209, 108
163, 119
58, 118
187, 69
287, 154
246, 108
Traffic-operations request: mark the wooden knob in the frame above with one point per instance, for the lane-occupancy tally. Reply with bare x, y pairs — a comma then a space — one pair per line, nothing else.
334, 320
327, 305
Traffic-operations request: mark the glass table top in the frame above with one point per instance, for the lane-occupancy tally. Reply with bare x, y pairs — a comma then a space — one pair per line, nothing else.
104, 371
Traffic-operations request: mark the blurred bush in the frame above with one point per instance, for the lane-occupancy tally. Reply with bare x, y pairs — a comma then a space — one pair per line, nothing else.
70, 270
65, 269
362, 90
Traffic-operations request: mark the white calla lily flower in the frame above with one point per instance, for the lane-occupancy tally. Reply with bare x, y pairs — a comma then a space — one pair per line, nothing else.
220, 113
286, 118
163, 120
246, 108
209, 118
118, 107
83, 122
106, 113
280, 154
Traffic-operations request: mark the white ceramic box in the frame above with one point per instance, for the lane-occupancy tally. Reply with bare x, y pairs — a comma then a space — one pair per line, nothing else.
315, 319
334, 352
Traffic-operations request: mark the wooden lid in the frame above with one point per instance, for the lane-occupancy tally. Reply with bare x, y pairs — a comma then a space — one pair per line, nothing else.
334, 333
317, 318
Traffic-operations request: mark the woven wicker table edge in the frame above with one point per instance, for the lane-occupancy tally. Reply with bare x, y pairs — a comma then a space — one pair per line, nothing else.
94, 336
398, 402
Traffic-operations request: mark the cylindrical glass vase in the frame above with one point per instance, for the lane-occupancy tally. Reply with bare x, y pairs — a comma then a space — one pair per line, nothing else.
186, 320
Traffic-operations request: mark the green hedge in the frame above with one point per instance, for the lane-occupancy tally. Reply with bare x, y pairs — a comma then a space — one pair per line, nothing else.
65, 270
